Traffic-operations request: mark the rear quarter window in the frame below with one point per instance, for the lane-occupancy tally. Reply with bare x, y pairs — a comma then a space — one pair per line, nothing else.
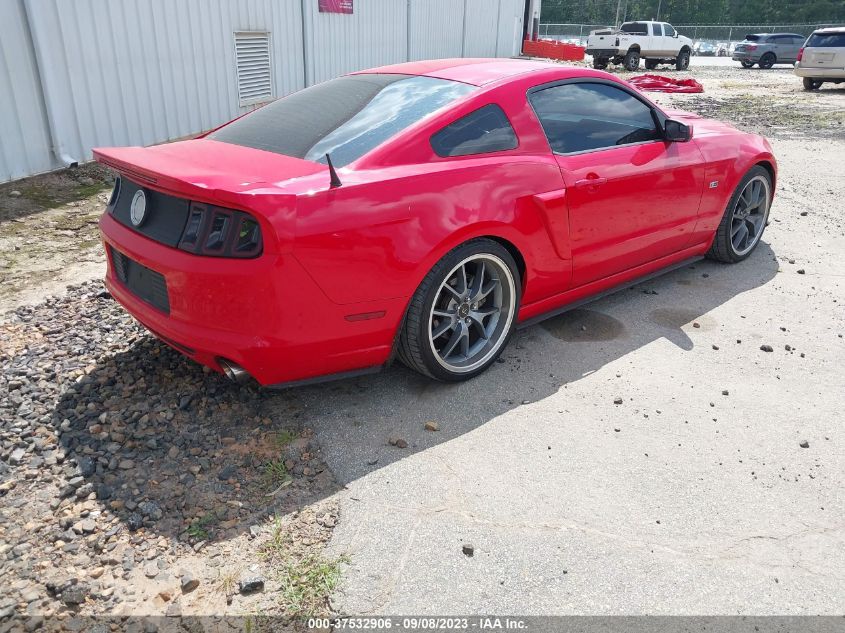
483, 131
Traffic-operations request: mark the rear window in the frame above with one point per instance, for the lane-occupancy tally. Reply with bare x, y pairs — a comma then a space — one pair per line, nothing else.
754, 38
635, 27
345, 117
826, 40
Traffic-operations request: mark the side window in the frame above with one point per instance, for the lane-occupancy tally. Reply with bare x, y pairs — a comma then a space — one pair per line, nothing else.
580, 117
668, 31
656, 29
485, 130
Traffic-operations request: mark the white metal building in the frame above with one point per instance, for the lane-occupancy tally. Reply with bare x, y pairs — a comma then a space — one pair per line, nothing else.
78, 74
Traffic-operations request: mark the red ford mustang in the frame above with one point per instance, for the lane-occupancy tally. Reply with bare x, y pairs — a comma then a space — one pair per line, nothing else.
422, 210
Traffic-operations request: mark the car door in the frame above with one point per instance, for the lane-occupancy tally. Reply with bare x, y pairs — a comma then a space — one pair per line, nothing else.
632, 196
658, 46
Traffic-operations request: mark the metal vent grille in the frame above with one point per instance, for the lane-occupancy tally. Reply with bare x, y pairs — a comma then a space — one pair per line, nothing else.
252, 58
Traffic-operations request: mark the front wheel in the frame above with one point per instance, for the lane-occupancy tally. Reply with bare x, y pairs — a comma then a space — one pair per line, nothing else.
747, 64
812, 84
682, 61
463, 313
745, 218
631, 61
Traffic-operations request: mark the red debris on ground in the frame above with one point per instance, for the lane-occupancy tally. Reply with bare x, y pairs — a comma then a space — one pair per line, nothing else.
658, 83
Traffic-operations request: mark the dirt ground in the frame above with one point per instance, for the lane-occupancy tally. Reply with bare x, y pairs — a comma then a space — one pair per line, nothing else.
696, 495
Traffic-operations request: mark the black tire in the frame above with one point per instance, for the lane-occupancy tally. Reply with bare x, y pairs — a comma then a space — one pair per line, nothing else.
747, 64
599, 64
682, 60
812, 84
415, 345
631, 61
723, 249
651, 64
768, 60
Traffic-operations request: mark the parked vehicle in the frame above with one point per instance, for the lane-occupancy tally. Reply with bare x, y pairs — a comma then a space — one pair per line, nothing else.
704, 49
722, 49
822, 58
421, 210
655, 42
768, 49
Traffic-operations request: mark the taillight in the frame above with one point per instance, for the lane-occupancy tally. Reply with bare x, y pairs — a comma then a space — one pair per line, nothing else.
218, 232
800, 54
751, 47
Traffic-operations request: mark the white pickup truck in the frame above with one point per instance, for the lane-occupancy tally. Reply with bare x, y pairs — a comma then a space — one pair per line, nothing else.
655, 42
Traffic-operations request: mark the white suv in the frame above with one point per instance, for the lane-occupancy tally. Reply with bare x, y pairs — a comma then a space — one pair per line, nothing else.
822, 58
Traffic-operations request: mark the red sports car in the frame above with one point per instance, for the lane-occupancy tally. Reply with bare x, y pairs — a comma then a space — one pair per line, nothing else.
421, 210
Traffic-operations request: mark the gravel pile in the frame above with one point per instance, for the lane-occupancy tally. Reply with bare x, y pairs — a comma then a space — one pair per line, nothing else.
128, 473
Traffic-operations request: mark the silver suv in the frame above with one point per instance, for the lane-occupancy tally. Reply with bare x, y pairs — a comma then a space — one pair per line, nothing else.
822, 58
768, 49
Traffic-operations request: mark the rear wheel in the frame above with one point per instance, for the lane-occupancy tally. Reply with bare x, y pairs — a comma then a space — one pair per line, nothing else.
631, 61
768, 60
812, 84
651, 64
745, 218
747, 64
463, 313
682, 61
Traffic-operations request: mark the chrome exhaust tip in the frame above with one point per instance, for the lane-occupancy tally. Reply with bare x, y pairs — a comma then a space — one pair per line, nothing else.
233, 371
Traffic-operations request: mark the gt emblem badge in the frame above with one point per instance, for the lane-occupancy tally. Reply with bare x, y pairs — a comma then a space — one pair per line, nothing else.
138, 208
714, 184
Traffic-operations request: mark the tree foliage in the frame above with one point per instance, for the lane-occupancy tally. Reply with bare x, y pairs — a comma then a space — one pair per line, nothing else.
696, 11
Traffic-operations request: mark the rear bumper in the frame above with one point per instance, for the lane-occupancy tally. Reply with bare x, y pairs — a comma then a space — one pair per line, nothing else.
265, 314
602, 52
820, 73
745, 57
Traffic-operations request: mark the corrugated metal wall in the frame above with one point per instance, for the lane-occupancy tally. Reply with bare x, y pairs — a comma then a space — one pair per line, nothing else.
131, 72
24, 135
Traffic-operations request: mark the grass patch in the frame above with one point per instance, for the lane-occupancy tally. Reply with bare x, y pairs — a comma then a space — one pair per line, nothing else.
275, 474
306, 580
285, 437
197, 530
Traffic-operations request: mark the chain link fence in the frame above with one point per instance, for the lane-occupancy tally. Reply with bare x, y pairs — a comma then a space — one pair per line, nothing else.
713, 33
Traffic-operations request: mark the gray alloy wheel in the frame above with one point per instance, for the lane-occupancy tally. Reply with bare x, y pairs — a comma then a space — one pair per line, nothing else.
631, 61
463, 313
682, 61
747, 64
745, 218
768, 60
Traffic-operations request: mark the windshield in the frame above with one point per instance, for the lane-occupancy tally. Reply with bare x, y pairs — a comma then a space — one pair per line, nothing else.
345, 117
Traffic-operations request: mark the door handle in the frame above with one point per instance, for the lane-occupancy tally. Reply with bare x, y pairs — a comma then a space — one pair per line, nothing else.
590, 182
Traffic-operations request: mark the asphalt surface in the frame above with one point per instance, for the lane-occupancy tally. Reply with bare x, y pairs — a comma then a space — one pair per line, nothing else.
692, 496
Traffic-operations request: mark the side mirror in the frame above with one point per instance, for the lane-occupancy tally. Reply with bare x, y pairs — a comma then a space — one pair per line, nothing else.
676, 132
676, 34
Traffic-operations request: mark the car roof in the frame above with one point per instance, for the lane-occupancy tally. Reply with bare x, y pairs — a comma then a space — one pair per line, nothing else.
473, 71
771, 34
831, 29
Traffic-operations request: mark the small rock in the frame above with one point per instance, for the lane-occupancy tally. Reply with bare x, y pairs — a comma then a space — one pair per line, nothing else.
725, 392
17, 456
151, 569
134, 522
174, 610
766, 348
468, 549
696, 324
251, 584
188, 582
804, 444
398, 442
228, 472
14, 193
800, 271
432, 426
617, 401
165, 595
74, 595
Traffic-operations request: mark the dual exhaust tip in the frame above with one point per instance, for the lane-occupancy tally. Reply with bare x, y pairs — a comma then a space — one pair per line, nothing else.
233, 371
